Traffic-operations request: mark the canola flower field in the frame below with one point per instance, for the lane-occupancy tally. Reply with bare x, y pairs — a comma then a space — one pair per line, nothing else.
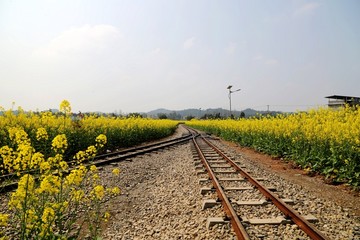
39, 145
324, 141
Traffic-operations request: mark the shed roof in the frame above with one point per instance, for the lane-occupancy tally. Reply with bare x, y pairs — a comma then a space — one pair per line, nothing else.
342, 97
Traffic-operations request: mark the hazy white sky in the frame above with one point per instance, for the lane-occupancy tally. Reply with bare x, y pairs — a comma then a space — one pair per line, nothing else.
135, 56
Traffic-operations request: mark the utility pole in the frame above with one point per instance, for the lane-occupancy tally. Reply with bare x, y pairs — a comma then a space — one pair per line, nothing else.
230, 92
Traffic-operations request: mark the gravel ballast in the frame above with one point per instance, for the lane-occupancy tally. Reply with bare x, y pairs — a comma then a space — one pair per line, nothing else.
161, 199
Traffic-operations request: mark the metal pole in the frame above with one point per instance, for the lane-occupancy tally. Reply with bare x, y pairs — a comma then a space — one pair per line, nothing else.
230, 92
230, 101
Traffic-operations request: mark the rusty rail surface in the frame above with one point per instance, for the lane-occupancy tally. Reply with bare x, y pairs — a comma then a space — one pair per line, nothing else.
231, 214
289, 212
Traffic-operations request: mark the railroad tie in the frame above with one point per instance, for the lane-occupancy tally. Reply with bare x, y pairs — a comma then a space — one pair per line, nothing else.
211, 221
275, 221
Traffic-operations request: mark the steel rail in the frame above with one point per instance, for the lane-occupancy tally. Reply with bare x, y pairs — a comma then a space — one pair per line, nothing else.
289, 212
142, 150
105, 155
116, 157
231, 214
101, 156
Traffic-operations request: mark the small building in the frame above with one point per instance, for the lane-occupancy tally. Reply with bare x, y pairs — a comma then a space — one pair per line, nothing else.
336, 101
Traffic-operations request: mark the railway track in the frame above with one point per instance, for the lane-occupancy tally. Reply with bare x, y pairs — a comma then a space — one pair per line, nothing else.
223, 183
8, 182
229, 180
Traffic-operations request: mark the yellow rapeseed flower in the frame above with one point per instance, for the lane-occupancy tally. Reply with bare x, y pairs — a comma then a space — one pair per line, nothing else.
63, 165
116, 171
41, 134
80, 156
24, 192
7, 155
4, 218
98, 192
45, 167
115, 190
18, 135
106, 216
30, 218
59, 143
91, 151
65, 107
78, 195
48, 215
101, 140
49, 184
93, 168
36, 159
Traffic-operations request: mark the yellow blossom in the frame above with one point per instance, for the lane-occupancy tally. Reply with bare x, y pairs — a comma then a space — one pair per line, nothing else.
19, 136
65, 107
24, 191
106, 216
115, 190
101, 140
36, 160
91, 151
4, 218
93, 168
30, 218
59, 143
80, 156
78, 195
45, 167
48, 215
116, 171
50, 184
95, 177
99, 192
41, 134
63, 165
76, 176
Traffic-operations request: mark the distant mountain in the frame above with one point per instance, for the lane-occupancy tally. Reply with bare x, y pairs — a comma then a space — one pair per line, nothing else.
198, 113
158, 111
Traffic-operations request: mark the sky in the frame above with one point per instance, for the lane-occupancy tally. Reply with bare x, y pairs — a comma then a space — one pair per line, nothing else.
137, 56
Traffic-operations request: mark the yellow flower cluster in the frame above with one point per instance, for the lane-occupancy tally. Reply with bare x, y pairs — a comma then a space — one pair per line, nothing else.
24, 193
89, 153
59, 143
324, 140
41, 134
37, 128
116, 171
49, 184
76, 176
114, 190
48, 215
19, 136
47, 218
43, 143
39, 208
98, 192
65, 107
101, 140
4, 218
